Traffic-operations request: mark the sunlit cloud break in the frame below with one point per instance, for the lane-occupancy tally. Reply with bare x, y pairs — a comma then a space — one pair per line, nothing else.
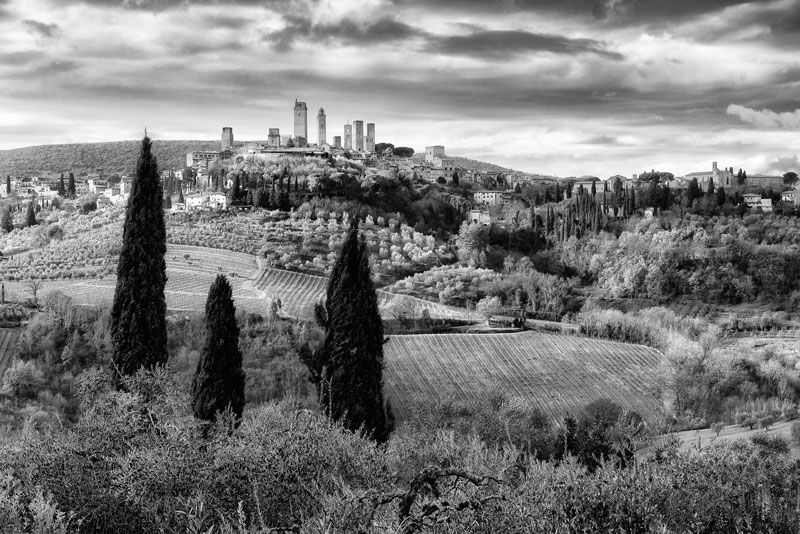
766, 118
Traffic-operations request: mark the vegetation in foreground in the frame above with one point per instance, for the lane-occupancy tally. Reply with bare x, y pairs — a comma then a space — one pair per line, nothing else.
137, 462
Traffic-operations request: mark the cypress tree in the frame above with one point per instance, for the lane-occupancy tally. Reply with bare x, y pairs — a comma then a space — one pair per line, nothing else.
8, 184
30, 218
71, 186
219, 379
181, 199
348, 368
138, 325
62, 190
5, 221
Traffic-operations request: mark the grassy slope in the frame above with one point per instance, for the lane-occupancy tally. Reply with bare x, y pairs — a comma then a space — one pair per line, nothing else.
694, 439
114, 157
559, 374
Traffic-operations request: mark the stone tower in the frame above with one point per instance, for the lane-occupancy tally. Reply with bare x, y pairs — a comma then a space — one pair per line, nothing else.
227, 138
300, 120
322, 135
370, 137
274, 138
359, 135
348, 137
337, 141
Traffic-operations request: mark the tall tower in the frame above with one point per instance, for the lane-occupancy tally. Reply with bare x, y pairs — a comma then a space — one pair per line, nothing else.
337, 141
227, 138
348, 137
359, 135
323, 138
370, 137
300, 120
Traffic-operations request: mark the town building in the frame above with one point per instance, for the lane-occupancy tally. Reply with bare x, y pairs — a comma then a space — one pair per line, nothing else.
337, 141
432, 152
274, 138
792, 196
196, 159
762, 182
721, 177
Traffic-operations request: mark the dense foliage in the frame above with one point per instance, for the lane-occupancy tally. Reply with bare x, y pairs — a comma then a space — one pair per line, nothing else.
137, 462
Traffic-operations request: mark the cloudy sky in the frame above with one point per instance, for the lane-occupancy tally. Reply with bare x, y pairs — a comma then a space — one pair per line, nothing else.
565, 87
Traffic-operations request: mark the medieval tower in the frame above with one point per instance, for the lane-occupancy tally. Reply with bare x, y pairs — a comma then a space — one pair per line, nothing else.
300, 120
370, 137
321, 133
348, 137
227, 138
359, 135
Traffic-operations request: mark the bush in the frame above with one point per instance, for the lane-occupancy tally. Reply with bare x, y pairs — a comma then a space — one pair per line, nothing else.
717, 428
796, 431
770, 445
741, 418
766, 422
790, 413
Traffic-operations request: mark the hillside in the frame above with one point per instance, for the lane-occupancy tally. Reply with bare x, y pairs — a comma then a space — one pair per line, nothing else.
112, 158
558, 374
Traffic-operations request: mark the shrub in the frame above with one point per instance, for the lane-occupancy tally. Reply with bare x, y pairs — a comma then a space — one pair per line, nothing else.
766, 422
770, 445
741, 418
790, 413
717, 428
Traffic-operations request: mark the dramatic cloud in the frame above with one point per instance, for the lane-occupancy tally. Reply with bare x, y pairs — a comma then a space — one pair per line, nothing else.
498, 44
566, 87
41, 28
346, 31
766, 118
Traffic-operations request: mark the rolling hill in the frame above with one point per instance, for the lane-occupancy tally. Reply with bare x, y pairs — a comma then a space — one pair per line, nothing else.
559, 374
113, 158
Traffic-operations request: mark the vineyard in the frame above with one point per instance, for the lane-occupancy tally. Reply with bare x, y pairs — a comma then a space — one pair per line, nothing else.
299, 293
8, 339
190, 272
557, 374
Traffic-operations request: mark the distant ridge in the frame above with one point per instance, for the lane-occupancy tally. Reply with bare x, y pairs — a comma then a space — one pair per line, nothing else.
477, 165
113, 158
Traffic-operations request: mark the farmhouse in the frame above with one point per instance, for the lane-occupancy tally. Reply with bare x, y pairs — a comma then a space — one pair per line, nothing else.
754, 201
793, 196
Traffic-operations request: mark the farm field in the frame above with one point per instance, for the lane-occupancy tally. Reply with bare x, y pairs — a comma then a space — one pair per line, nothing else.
299, 292
558, 374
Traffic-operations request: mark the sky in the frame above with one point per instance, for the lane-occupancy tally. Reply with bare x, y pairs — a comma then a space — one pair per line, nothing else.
560, 87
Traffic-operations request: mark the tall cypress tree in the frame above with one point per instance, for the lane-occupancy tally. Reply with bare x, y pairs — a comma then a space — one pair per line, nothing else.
5, 220
348, 368
219, 379
8, 184
71, 186
138, 325
62, 189
30, 217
